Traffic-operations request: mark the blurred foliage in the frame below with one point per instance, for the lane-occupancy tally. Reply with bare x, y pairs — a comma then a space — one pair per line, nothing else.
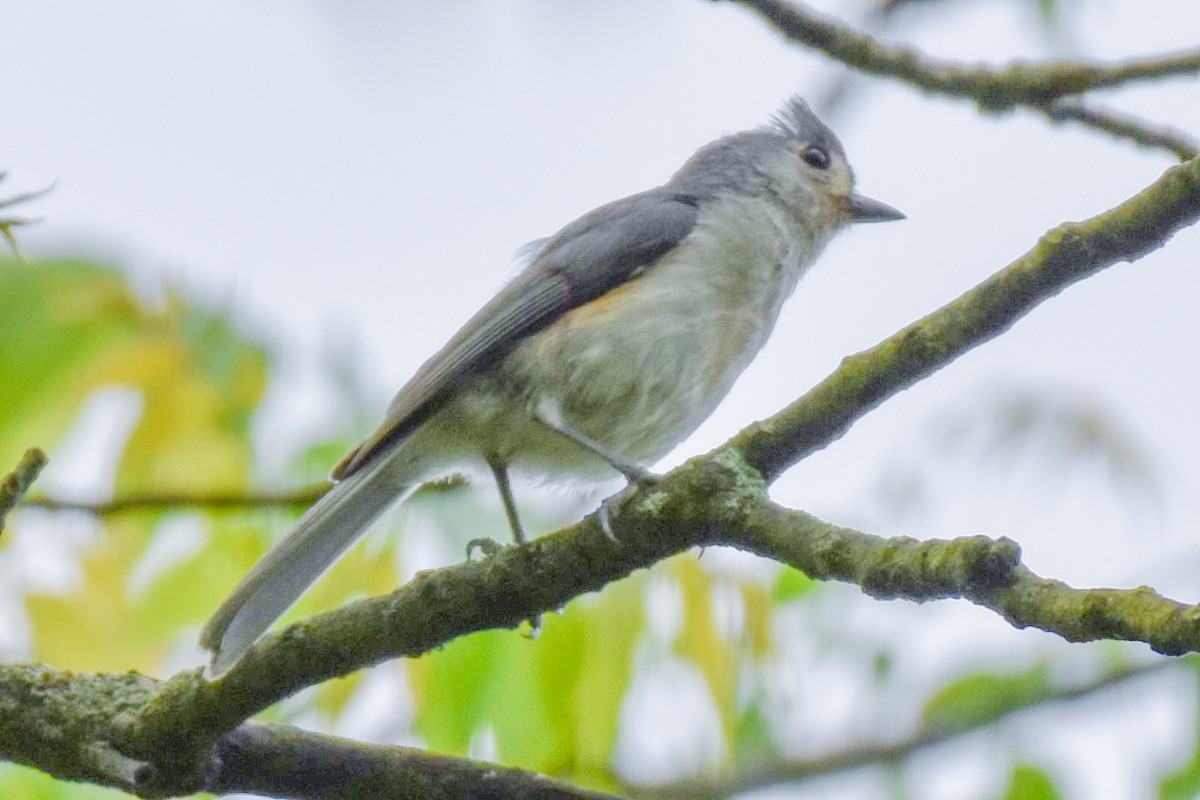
1040, 441
554, 704
71, 329
1052, 433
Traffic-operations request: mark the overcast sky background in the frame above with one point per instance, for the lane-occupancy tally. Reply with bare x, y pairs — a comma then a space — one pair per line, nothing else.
361, 174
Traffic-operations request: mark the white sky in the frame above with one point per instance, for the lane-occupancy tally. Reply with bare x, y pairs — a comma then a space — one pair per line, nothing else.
362, 172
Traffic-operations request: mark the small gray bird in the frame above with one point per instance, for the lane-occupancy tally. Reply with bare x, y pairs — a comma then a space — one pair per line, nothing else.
619, 338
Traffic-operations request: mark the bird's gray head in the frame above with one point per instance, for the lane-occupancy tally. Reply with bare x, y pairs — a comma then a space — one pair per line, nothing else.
796, 159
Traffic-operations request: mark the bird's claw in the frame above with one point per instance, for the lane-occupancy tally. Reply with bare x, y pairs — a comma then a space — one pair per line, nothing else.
611, 506
489, 547
640, 476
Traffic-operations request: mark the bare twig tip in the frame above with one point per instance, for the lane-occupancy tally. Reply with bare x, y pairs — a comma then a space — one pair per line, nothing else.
16, 483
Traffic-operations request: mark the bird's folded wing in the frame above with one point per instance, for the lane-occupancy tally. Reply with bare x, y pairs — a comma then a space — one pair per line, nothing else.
588, 258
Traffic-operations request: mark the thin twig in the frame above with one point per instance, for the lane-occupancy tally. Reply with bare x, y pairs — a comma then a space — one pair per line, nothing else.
765, 775
215, 501
16, 483
1123, 126
296, 498
8, 223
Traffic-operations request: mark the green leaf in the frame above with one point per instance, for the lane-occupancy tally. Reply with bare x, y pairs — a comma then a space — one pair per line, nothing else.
30, 784
753, 739
1183, 783
1028, 782
700, 641
528, 728
488, 681
792, 584
981, 697
1049, 12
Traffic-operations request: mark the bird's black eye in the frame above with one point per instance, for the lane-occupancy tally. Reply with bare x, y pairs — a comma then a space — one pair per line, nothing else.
815, 157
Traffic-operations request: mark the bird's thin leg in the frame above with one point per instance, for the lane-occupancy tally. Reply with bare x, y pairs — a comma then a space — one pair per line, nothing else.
500, 473
490, 547
634, 472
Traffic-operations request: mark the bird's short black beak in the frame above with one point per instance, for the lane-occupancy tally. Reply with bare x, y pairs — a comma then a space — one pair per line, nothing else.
864, 209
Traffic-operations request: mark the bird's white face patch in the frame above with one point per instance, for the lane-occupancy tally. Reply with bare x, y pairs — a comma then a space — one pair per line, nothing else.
811, 192
841, 179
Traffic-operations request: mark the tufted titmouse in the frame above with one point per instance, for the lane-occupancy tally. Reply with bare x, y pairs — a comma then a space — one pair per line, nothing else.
619, 338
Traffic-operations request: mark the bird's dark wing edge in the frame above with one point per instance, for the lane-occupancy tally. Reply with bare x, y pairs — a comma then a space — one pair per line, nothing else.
584, 261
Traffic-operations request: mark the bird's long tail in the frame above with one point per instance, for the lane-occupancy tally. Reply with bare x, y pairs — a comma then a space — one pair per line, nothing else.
296, 561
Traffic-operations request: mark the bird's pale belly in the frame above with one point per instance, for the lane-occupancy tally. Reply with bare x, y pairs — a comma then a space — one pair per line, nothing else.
636, 384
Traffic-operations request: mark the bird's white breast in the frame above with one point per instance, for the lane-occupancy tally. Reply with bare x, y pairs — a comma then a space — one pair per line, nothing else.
641, 367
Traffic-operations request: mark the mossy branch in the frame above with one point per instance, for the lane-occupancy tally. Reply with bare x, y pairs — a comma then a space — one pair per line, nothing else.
74, 727
64, 723
985, 571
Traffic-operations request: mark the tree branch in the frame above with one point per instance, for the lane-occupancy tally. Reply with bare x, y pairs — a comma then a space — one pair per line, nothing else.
131, 732
992, 89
